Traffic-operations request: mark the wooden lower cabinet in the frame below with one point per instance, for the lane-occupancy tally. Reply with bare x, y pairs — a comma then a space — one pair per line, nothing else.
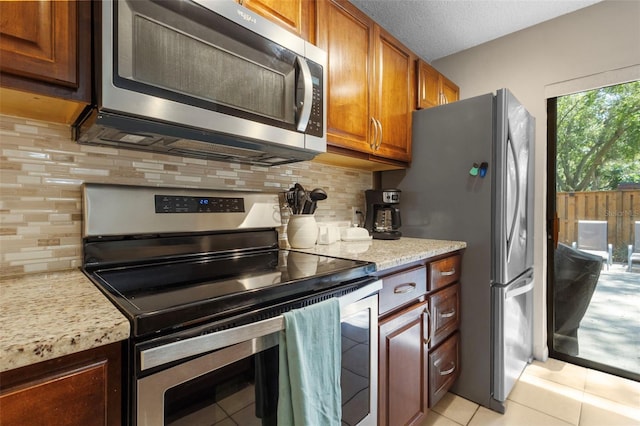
444, 307
444, 368
403, 367
79, 389
419, 349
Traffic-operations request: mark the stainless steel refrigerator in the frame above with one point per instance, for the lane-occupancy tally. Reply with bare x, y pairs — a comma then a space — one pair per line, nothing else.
471, 179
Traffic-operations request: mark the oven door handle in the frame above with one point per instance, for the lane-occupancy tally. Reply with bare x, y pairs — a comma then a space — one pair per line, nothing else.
160, 355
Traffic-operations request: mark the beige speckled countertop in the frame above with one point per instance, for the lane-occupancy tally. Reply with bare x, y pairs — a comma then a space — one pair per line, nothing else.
44, 316
387, 253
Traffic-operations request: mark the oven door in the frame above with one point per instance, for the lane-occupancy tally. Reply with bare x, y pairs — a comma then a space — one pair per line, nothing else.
239, 382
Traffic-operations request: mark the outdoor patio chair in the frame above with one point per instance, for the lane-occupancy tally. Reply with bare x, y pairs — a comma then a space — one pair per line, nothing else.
634, 250
576, 277
592, 238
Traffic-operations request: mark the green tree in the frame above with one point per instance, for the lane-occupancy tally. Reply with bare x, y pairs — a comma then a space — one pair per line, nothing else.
598, 142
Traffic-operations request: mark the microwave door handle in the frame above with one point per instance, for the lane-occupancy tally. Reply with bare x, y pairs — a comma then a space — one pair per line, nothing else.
305, 112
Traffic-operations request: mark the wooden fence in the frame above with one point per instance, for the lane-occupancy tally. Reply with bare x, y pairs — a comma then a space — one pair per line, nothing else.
619, 208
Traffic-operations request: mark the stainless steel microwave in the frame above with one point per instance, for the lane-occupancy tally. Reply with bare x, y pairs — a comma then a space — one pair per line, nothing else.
207, 79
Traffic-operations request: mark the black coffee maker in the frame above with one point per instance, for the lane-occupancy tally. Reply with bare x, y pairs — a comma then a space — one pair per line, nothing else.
382, 219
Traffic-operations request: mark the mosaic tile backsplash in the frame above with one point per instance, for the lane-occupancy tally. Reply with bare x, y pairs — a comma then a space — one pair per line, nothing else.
42, 170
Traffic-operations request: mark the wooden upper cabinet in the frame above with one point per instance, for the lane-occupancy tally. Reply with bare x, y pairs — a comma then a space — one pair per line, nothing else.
395, 98
39, 40
347, 36
294, 15
45, 59
450, 91
371, 85
434, 88
428, 85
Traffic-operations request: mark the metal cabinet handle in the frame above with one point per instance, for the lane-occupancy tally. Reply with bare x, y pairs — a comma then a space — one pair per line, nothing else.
426, 326
379, 143
449, 371
372, 142
448, 314
448, 273
404, 288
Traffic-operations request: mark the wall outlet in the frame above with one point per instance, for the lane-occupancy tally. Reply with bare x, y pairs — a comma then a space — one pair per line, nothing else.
356, 216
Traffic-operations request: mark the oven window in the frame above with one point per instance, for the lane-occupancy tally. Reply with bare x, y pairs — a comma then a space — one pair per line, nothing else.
242, 393
245, 392
355, 379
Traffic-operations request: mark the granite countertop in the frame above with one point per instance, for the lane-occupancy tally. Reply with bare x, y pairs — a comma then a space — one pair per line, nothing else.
44, 316
387, 253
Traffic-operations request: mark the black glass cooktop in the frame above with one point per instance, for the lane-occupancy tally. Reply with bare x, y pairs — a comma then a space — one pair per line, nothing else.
165, 296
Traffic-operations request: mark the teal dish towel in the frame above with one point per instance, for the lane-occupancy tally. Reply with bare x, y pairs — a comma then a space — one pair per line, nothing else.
310, 360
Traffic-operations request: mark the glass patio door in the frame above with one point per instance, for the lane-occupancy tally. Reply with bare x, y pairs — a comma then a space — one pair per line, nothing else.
593, 292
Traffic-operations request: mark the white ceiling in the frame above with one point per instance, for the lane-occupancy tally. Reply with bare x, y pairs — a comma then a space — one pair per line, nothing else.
437, 28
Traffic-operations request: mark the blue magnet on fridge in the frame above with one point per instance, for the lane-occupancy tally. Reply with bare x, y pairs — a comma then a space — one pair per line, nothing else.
483, 169
474, 170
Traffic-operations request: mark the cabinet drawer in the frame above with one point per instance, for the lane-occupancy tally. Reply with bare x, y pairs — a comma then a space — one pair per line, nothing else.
443, 272
403, 287
444, 369
444, 306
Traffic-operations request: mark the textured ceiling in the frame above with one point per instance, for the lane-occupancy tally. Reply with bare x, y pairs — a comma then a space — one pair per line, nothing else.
436, 28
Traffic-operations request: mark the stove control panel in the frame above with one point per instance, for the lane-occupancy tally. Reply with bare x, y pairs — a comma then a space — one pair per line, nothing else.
190, 204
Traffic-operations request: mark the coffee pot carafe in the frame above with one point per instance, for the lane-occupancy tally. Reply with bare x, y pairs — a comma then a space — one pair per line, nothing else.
382, 218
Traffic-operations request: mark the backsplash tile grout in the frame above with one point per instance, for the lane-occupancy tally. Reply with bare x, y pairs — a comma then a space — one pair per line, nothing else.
42, 170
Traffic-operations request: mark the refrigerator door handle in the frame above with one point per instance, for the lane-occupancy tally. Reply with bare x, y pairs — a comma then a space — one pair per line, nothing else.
518, 291
514, 219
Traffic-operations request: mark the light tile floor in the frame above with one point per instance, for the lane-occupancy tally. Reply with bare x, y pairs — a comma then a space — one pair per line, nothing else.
549, 394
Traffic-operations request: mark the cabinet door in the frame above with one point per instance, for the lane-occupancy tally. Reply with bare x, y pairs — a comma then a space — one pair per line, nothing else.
346, 34
394, 98
434, 88
77, 397
38, 39
428, 85
450, 91
78, 389
290, 14
403, 396
46, 51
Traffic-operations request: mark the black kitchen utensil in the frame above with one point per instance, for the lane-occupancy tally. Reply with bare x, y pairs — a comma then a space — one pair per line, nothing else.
290, 197
300, 198
317, 194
